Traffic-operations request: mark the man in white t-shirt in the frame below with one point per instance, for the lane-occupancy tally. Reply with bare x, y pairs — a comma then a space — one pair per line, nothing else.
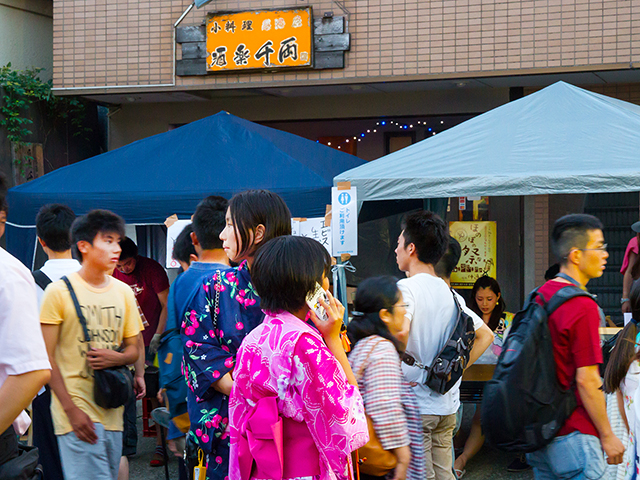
432, 313
24, 364
53, 226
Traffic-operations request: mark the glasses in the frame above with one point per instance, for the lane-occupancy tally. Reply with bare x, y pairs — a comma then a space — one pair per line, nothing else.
603, 248
405, 305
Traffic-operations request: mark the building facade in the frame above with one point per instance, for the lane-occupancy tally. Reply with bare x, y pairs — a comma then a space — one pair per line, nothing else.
385, 74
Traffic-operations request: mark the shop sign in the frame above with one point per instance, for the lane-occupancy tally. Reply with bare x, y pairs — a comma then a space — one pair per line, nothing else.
478, 243
263, 39
344, 219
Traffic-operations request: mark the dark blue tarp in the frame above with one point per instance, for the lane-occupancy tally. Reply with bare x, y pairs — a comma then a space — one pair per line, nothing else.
148, 180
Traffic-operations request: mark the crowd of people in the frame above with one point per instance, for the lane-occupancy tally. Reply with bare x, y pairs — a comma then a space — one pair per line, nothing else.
255, 383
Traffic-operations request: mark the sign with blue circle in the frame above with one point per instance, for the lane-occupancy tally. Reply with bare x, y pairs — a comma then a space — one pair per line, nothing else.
344, 198
344, 220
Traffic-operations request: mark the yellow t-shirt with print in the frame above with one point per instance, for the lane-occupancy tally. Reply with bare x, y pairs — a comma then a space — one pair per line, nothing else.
112, 315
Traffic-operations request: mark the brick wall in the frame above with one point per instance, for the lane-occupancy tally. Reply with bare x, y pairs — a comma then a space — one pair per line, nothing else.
541, 236
126, 42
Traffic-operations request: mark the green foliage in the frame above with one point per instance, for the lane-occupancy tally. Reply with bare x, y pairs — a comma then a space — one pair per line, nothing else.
19, 90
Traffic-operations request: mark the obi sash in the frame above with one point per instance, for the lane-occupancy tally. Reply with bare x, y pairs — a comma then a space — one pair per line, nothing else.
275, 447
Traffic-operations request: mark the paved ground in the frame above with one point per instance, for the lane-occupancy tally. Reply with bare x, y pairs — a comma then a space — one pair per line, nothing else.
489, 464
139, 468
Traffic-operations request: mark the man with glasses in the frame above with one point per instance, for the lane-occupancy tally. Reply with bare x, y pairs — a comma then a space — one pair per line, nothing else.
576, 452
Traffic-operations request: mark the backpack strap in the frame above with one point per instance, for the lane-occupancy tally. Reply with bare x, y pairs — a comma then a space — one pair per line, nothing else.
41, 279
83, 321
564, 295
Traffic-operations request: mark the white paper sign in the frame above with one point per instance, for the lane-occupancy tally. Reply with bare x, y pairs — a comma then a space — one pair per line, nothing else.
315, 228
627, 317
295, 227
172, 233
344, 219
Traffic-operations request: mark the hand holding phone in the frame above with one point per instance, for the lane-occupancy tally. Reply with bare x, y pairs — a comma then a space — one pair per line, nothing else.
313, 301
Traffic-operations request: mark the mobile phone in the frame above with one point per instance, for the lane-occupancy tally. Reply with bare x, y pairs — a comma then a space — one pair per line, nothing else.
313, 300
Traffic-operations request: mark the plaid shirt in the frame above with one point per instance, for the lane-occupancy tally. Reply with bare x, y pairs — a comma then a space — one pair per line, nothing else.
389, 400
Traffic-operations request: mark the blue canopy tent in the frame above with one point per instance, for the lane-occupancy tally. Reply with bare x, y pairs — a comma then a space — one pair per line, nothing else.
148, 180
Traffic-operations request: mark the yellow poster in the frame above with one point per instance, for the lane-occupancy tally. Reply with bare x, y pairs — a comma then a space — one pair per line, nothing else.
478, 243
263, 39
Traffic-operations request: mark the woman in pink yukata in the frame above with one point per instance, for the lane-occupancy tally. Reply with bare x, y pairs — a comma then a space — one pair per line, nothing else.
295, 409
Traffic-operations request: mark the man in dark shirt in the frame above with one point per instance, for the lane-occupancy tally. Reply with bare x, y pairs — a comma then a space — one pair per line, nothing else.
576, 452
150, 285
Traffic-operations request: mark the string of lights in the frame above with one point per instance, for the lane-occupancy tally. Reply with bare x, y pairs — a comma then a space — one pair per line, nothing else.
386, 126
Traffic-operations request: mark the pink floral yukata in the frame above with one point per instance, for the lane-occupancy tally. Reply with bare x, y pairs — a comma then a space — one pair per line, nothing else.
285, 371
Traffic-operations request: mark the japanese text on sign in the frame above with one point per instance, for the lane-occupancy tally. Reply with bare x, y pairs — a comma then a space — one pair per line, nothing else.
313, 228
478, 243
344, 208
259, 39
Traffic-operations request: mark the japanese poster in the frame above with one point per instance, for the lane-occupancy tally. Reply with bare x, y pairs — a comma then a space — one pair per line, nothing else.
478, 242
313, 228
344, 208
259, 39
172, 233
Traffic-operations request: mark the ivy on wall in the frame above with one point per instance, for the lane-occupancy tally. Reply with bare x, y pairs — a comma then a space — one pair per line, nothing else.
19, 90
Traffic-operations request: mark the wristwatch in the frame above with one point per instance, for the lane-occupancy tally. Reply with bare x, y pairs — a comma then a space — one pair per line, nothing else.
623, 301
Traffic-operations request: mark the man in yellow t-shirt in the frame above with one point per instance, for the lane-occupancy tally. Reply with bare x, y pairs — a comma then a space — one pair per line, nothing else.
89, 436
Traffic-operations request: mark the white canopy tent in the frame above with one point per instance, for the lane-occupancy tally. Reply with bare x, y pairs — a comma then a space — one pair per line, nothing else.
561, 139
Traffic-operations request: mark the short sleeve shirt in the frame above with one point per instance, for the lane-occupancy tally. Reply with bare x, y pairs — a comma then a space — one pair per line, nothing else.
22, 347
112, 315
147, 280
432, 313
632, 246
55, 269
576, 343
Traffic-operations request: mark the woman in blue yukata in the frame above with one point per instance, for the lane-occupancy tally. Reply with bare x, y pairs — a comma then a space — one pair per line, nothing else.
222, 313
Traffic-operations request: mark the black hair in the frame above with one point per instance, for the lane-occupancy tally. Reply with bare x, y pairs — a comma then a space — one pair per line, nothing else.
86, 227
4, 186
428, 233
129, 249
552, 271
488, 282
449, 260
571, 231
183, 247
286, 269
208, 221
258, 207
373, 295
624, 351
53, 226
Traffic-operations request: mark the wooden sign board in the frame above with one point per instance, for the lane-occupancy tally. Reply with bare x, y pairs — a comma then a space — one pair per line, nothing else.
264, 39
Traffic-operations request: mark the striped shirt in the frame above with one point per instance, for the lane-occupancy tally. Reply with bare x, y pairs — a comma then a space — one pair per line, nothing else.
389, 400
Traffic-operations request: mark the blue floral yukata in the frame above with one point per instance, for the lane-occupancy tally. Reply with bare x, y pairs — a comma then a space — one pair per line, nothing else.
210, 352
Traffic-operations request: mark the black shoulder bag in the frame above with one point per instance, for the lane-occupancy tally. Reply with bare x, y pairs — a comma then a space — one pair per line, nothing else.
449, 364
113, 386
